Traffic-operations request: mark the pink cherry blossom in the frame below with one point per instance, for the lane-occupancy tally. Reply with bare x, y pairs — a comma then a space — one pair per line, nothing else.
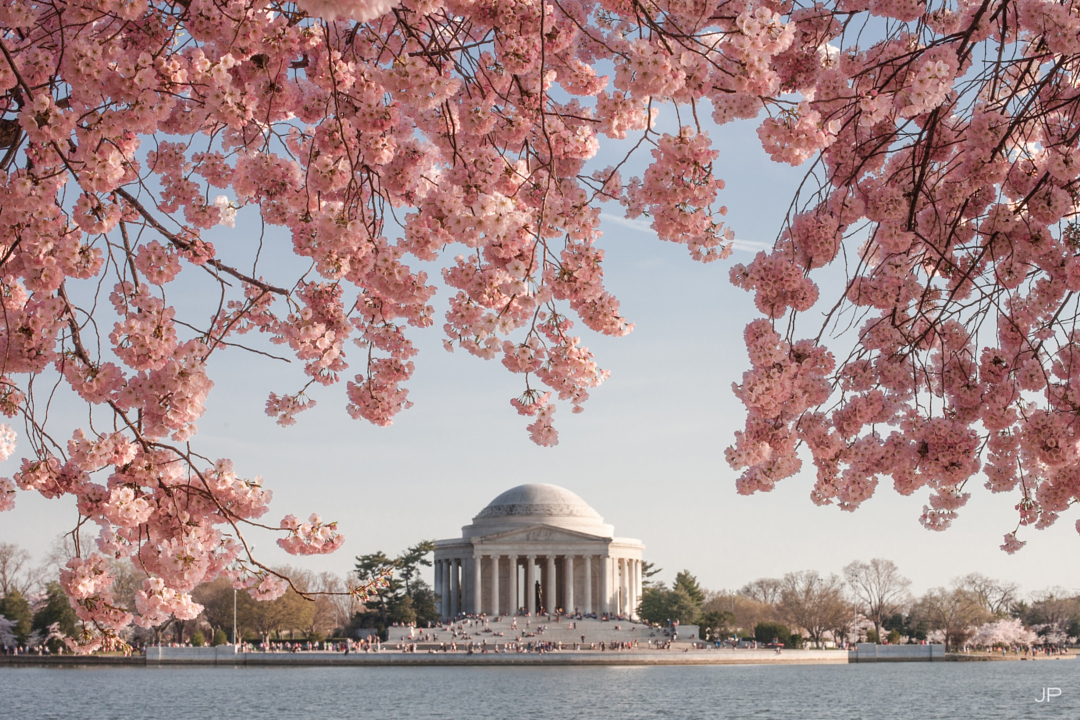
310, 538
915, 313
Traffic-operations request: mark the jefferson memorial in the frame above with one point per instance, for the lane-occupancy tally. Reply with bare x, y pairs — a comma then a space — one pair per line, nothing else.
538, 548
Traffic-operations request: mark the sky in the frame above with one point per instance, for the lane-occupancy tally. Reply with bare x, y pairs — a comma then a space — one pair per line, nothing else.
647, 453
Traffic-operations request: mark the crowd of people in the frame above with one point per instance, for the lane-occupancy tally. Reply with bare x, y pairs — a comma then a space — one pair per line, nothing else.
471, 634
40, 649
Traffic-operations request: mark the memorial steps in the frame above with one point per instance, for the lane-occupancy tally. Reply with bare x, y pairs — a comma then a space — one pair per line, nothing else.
566, 631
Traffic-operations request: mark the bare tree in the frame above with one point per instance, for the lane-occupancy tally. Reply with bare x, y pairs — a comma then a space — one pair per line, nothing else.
15, 570
997, 598
330, 601
745, 611
764, 590
127, 581
847, 622
217, 608
291, 612
954, 612
222, 604
65, 547
343, 604
812, 602
879, 588
1053, 612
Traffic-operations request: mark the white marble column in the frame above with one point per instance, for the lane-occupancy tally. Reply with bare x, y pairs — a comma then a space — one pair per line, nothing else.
454, 587
640, 580
637, 587
620, 586
530, 584
494, 586
605, 584
513, 599
446, 568
478, 585
616, 585
587, 603
568, 573
438, 586
551, 593
624, 585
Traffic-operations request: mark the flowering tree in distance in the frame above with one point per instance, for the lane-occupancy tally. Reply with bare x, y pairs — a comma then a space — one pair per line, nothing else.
943, 139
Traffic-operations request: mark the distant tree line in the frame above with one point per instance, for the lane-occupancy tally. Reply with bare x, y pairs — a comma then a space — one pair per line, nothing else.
317, 605
870, 602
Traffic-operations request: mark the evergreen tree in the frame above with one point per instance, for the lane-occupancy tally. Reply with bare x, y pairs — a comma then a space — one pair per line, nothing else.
770, 632
409, 563
688, 583
662, 606
424, 603
405, 598
57, 609
715, 625
648, 570
16, 608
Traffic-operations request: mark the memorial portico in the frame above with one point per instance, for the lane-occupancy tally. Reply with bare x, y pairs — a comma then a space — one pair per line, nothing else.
538, 548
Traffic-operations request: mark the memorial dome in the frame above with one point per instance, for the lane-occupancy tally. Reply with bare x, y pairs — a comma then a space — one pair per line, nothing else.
534, 548
538, 503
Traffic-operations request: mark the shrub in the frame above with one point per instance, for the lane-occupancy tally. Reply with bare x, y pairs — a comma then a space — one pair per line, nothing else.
198, 639
220, 638
713, 626
767, 632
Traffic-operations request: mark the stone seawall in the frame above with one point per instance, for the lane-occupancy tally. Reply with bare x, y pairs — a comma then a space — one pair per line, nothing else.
222, 656
71, 661
869, 652
227, 656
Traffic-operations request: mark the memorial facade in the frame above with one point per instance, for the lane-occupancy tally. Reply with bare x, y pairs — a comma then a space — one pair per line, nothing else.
538, 548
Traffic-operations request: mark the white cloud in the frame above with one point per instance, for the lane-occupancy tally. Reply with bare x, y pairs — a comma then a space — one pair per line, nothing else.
642, 225
639, 224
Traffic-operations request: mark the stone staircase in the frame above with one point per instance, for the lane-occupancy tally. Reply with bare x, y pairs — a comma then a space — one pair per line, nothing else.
536, 629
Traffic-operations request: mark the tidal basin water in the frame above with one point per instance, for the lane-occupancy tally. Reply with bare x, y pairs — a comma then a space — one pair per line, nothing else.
913, 691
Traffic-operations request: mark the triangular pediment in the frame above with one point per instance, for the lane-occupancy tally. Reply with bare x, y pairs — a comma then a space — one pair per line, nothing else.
538, 533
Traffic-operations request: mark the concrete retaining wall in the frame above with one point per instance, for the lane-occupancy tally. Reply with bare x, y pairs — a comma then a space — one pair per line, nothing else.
226, 655
220, 655
869, 652
71, 661
208, 656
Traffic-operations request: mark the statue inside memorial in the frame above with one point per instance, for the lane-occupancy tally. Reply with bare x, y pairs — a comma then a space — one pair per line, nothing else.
539, 598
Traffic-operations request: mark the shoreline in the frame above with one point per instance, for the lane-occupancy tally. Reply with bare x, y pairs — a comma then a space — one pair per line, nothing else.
423, 659
462, 659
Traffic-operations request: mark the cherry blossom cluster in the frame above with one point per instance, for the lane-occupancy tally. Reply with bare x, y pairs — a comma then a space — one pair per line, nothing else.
88, 585
946, 183
156, 603
1006, 633
310, 538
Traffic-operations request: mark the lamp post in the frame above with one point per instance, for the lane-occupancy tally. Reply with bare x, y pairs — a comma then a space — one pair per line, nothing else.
234, 617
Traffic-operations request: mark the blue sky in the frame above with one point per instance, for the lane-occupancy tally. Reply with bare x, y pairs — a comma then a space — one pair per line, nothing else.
647, 453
